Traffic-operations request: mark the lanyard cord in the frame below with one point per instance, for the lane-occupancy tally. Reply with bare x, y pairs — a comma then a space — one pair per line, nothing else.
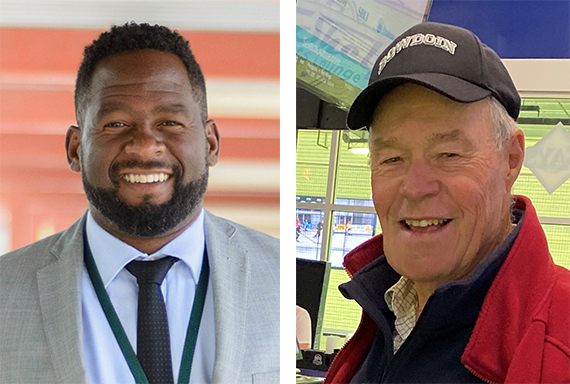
121, 336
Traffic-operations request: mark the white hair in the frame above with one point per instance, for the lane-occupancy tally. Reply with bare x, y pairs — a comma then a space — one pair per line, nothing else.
503, 123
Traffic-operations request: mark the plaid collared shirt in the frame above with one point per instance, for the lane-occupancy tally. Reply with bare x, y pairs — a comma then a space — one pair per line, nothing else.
402, 299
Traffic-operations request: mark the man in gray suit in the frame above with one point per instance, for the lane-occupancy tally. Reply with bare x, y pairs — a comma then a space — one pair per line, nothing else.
75, 307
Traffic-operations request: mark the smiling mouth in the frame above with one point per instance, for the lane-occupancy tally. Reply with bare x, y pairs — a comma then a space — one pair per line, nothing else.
145, 179
424, 225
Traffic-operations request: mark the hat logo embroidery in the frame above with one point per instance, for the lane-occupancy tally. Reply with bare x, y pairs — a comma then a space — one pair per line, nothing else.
417, 39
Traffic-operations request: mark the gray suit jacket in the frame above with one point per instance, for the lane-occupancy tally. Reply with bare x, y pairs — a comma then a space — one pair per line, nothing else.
40, 307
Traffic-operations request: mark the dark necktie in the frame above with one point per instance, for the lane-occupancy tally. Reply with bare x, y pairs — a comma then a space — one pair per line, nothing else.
153, 339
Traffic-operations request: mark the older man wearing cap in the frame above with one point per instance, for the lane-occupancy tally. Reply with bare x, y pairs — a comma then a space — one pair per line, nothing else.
460, 287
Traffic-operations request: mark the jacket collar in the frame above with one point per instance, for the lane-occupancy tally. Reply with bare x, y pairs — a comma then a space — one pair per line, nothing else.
512, 300
231, 279
59, 287
370, 250
452, 305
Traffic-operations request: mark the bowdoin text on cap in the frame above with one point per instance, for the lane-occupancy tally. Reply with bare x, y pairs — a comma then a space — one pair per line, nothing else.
445, 58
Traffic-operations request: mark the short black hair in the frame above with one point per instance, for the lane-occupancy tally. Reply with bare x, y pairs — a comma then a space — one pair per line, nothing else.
135, 37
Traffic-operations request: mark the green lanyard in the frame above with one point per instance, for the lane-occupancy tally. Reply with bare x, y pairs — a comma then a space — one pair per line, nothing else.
121, 336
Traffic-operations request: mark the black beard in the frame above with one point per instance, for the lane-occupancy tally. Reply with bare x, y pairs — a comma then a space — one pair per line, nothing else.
147, 219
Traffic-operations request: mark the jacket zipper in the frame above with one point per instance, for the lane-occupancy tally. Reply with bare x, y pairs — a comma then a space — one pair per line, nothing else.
343, 348
480, 377
348, 273
348, 342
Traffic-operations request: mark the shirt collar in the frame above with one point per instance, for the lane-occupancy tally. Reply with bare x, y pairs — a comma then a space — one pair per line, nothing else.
401, 297
111, 254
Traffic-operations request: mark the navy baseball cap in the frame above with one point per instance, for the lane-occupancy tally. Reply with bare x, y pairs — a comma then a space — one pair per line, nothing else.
444, 58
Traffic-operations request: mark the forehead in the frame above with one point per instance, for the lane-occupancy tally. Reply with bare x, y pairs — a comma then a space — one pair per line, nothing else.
413, 112
140, 71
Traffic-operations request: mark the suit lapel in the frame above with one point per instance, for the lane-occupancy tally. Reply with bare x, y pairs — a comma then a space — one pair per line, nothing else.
60, 301
230, 279
59, 285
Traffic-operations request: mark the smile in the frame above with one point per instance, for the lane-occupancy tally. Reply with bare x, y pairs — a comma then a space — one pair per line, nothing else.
143, 179
426, 222
424, 226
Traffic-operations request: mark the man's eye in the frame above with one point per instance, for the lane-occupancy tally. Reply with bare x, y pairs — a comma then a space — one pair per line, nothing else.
392, 160
448, 155
115, 124
171, 123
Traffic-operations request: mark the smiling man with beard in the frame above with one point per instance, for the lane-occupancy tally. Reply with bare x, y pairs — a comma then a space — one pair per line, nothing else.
147, 286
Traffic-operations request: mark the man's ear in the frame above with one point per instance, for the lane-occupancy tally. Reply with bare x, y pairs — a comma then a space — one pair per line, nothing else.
213, 139
72, 142
514, 151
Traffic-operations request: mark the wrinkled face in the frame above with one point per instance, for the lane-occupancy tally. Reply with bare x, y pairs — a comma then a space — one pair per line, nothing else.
440, 187
143, 150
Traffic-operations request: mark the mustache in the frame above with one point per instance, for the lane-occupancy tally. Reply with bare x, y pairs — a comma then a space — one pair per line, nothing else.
115, 169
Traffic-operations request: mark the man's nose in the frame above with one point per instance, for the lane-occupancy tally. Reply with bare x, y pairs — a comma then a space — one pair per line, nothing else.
420, 181
145, 142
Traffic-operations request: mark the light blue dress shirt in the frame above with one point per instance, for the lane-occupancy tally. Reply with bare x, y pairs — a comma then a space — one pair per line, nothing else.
103, 358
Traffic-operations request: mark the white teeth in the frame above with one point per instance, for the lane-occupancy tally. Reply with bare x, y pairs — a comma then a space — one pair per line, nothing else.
425, 223
143, 179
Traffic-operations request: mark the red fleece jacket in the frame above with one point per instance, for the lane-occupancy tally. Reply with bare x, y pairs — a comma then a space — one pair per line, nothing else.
522, 334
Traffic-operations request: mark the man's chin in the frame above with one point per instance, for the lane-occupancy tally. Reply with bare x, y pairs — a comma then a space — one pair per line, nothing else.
144, 202
145, 218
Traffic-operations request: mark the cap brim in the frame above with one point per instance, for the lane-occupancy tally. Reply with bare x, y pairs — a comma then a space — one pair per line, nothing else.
361, 111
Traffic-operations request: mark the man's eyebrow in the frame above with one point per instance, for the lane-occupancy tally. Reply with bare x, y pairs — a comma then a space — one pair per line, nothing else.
446, 137
110, 107
379, 143
114, 106
171, 108
436, 138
